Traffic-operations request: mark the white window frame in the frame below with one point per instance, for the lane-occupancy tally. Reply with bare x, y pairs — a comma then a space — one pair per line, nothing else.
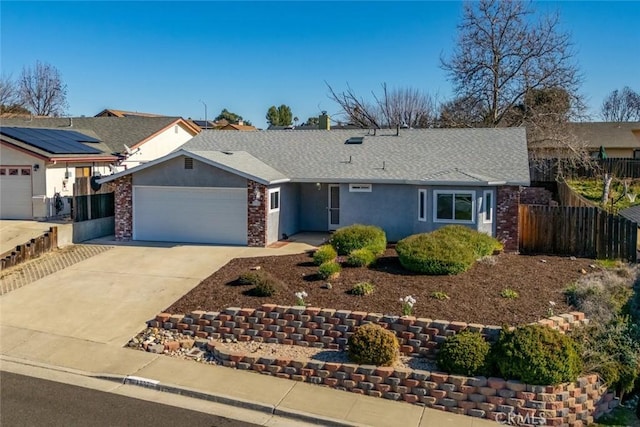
422, 204
487, 207
269, 193
360, 188
454, 193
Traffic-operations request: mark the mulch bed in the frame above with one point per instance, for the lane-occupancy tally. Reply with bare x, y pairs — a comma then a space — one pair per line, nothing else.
474, 296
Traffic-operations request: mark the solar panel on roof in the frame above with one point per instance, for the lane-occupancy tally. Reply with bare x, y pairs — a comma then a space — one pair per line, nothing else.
55, 141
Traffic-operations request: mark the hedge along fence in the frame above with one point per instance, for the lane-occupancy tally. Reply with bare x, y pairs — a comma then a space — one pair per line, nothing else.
573, 404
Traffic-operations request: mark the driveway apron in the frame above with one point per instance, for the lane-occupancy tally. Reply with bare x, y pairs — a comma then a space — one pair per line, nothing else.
108, 297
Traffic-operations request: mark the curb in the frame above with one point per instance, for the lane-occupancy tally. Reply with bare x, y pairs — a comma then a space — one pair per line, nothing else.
189, 392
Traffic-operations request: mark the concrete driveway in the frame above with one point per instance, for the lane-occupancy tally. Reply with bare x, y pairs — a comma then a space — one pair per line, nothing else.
109, 297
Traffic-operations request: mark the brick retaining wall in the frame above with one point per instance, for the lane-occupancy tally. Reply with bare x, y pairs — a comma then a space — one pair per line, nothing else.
574, 404
328, 328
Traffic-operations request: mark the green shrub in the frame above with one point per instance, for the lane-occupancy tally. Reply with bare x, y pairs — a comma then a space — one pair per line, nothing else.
613, 351
481, 243
373, 345
265, 285
537, 354
439, 295
251, 277
509, 293
323, 254
329, 269
362, 288
464, 353
358, 236
428, 253
361, 258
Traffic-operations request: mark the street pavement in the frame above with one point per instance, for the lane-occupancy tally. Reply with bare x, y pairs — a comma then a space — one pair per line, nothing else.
76, 321
60, 404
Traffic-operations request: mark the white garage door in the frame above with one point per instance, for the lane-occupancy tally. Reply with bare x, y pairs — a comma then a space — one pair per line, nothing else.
190, 214
15, 193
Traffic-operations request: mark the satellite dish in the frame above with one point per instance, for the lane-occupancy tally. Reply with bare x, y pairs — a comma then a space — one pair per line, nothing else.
95, 185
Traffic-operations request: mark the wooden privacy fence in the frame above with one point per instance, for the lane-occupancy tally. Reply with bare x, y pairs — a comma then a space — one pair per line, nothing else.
32, 249
548, 170
580, 231
92, 204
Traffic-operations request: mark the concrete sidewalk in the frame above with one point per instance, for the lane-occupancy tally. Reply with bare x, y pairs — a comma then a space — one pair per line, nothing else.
78, 319
265, 394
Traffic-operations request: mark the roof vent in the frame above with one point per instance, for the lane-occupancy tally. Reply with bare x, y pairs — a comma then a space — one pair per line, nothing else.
228, 153
355, 140
188, 163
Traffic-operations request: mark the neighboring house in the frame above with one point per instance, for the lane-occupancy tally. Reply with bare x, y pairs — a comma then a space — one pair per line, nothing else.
123, 143
38, 164
134, 139
252, 188
619, 140
240, 127
121, 113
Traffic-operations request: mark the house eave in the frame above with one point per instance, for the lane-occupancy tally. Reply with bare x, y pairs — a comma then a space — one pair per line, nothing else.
191, 154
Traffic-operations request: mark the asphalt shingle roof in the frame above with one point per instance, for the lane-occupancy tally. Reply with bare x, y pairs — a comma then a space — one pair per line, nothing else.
455, 156
632, 213
608, 134
113, 132
244, 163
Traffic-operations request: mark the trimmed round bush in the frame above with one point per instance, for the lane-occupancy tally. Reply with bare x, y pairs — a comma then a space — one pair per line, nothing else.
481, 243
358, 236
329, 269
323, 254
373, 345
537, 354
464, 353
265, 285
434, 254
361, 258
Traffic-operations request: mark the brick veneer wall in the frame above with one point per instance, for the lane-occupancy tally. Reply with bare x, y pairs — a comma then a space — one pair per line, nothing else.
537, 196
256, 214
123, 188
573, 404
507, 213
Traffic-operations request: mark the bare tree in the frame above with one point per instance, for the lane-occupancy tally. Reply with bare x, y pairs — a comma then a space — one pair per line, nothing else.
512, 67
407, 107
621, 106
501, 55
461, 113
10, 101
42, 90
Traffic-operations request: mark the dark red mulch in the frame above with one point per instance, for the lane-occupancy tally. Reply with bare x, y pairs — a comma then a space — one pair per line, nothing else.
474, 296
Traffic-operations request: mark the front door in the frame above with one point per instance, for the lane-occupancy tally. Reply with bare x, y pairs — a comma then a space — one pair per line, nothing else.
334, 206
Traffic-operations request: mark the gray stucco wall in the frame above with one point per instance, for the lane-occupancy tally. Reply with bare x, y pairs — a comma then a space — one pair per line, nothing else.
92, 229
173, 173
394, 208
285, 220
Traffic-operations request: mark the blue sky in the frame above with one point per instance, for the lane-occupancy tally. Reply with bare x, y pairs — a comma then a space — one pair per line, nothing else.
167, 57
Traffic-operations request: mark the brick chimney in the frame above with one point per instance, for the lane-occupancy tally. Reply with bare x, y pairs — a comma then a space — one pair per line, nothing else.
324, 121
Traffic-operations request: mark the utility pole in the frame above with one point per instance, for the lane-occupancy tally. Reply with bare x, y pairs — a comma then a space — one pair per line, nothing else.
206, 122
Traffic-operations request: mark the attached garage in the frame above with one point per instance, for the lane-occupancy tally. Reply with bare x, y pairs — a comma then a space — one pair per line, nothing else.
15, 193
190, 214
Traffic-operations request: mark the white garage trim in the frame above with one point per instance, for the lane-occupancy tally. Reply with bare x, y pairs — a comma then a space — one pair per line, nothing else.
15, 192
190, 214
